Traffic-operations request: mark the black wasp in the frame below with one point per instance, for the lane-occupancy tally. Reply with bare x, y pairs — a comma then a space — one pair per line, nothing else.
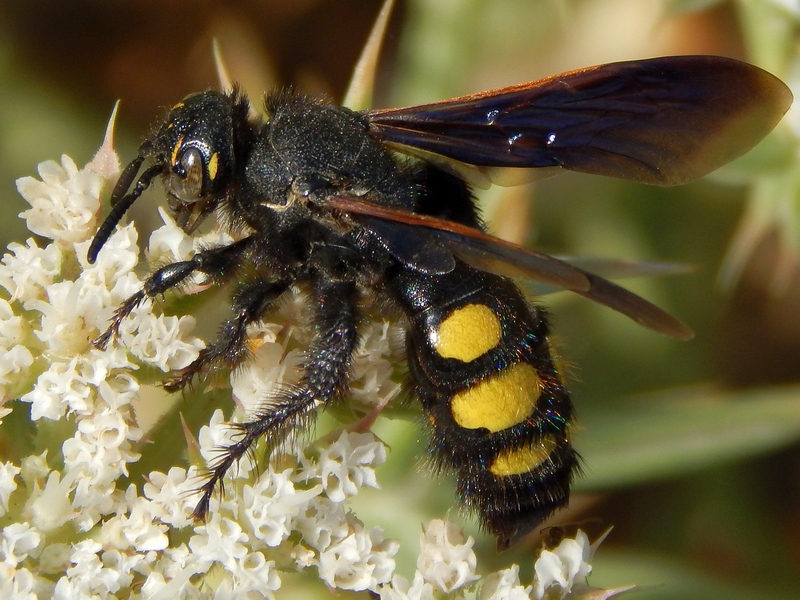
348, 203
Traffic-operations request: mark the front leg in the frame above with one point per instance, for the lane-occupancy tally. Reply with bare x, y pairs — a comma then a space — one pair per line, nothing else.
325, 379
217, 264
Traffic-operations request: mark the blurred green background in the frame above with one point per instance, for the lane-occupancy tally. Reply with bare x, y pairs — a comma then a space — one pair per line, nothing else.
690, 448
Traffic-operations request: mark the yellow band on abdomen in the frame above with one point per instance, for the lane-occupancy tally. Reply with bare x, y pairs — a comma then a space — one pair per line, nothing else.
467, 333
502, 400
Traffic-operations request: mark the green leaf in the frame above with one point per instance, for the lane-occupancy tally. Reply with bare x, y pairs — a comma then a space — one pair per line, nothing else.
686, 430
660, 578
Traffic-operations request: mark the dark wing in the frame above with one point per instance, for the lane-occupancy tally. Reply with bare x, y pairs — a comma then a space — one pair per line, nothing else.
610, 268
492, 254
662, 121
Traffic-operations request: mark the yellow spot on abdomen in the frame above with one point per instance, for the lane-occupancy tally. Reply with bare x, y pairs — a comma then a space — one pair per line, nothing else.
467, 333
522, 460
500, 401
213, 164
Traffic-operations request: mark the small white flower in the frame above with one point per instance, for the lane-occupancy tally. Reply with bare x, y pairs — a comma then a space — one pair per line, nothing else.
34, 470
162, 341
302, 557
322, 523
220, 540
140, 527
91, 574
23, 584
58, 389
169, 575
255, 574
19, 541
67, 317
14, 361
401, 589
169, 243
123, 566
446, 559
380, 348
109, 371
8, 484
11, 326
563, 567
51, 507
170, 496
271, 505
112, 274
504, 585
26, 270
106, 438
64, 204
360, 561
349, 464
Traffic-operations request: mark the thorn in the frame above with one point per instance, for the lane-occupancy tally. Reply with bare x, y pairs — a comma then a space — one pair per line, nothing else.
362, 83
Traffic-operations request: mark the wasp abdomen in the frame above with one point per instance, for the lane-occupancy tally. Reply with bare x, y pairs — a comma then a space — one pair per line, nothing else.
480, 363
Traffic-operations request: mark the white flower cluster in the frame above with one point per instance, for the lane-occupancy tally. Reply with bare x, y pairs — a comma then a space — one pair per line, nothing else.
446, 567
79, 524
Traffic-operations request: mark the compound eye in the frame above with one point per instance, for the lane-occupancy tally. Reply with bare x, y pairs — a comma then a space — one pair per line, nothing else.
189, 176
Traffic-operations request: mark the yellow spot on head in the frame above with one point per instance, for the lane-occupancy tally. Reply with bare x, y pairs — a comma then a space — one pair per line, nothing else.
213, 164
500, 401
522, 460
467, 333
175, 150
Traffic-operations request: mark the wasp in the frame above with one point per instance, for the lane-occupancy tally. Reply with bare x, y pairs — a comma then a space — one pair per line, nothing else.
376, 204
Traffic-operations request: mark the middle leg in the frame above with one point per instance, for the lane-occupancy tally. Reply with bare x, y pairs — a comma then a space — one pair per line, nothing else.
325, 379
229, 350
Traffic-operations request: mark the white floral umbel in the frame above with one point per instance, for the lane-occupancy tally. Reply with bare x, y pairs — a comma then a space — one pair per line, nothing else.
78, 526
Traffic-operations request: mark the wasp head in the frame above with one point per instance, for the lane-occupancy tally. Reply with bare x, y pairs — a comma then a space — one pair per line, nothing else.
194, 151
195, 147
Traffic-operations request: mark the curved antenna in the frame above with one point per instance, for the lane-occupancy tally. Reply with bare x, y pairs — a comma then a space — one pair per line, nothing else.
121, 205
126, 179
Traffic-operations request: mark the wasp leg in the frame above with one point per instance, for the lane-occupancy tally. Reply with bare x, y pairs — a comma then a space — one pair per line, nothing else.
229, 349
216, 264
325, 380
